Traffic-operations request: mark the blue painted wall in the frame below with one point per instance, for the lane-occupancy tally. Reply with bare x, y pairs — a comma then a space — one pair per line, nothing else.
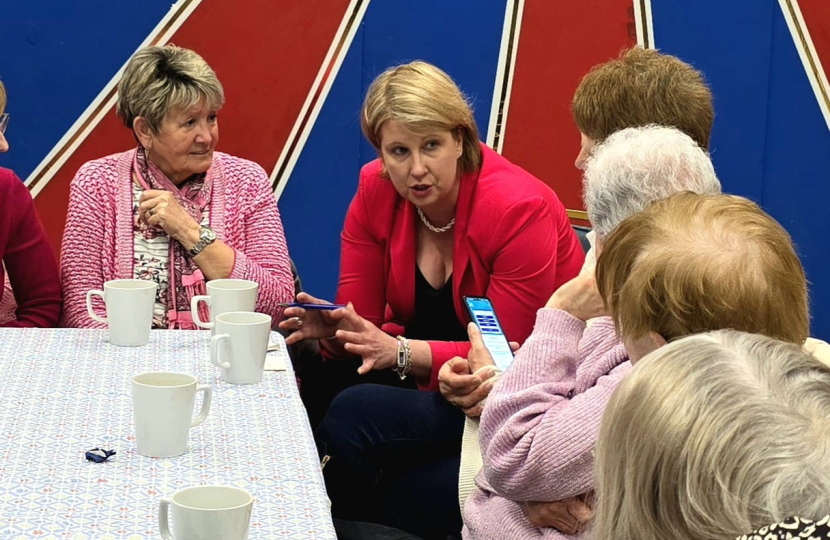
393, 31
770, 141
55, 59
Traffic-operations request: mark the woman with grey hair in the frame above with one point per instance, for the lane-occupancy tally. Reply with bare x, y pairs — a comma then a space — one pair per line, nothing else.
735, 439
172, 210
674, 269
652, 162
634, 167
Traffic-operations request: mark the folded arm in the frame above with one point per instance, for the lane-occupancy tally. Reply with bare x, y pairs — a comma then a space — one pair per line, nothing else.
536, 436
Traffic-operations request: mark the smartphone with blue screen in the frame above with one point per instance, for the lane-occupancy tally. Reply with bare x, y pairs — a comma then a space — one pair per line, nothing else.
482, 313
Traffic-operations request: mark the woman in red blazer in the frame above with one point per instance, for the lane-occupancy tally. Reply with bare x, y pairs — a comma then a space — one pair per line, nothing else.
437, 217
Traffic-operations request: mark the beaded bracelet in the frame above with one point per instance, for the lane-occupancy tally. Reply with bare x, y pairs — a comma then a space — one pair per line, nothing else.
404, 358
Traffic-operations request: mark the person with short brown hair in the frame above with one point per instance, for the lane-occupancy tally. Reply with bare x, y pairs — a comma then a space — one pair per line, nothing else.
641, 87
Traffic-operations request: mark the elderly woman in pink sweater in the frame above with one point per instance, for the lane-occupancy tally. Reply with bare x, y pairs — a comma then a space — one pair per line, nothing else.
173, 210
539, 422
677, 268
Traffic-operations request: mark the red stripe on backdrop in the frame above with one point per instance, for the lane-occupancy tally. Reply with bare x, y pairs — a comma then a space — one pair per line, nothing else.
558, 44
817, 16
267, 56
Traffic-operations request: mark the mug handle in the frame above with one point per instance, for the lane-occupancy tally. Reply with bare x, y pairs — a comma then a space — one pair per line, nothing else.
164, 525
206, 400
92, 314
194, 310
215, 343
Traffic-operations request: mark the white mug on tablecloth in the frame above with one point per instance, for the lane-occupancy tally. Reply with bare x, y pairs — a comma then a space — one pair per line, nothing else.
240, 345
203, 512
129, 304
163, 412
223, 296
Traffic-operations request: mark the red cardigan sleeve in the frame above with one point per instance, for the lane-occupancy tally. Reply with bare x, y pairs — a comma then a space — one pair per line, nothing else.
29, 260
362, 263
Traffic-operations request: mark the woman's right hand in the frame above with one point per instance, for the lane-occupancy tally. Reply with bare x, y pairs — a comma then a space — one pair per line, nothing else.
311, 323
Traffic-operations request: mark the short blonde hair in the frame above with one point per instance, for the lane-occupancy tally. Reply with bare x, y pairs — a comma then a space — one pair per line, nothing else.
713, 436
422, 97
3, 98
644, 86
159, 79
696, 263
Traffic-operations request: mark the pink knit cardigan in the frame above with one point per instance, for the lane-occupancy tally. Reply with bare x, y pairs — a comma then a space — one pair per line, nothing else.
98, 238
541, 422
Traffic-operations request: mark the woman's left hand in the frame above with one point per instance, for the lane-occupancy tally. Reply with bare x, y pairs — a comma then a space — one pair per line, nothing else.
569, 516
378, 349
579, 297
159, 208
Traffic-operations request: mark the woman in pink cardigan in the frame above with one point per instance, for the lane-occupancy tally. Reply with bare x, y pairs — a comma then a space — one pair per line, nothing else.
675, 269
172, 210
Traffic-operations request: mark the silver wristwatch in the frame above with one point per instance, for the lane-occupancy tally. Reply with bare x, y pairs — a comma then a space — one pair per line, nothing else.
206, 238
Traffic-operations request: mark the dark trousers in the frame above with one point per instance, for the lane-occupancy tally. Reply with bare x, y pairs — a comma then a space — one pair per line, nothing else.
355, 530
321, 381
393, 458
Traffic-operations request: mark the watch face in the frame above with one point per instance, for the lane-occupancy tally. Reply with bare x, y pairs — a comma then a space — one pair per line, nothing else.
208, 234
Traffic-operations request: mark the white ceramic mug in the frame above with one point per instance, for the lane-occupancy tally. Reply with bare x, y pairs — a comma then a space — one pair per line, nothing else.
129, 304
223, 296
207, 512
163, 411
239, 346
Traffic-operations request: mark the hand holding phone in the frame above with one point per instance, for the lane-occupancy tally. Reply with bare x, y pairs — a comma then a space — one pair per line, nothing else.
484, 316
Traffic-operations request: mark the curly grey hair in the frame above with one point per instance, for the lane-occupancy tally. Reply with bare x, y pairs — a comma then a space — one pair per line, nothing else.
635, 167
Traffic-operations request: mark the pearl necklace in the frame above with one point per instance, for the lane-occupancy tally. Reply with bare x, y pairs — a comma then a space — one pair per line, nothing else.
432, 227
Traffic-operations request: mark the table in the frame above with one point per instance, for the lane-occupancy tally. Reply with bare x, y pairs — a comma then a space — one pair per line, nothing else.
65, 391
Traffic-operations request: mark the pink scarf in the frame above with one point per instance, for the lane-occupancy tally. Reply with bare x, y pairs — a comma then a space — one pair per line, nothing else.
185, 279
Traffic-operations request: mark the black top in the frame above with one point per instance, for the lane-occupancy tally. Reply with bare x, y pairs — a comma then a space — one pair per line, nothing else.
435, 318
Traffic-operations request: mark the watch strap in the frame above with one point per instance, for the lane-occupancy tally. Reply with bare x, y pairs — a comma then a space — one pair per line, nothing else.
206, 237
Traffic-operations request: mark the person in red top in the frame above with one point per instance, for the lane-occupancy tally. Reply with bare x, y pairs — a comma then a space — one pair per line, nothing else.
34, 299
437, 217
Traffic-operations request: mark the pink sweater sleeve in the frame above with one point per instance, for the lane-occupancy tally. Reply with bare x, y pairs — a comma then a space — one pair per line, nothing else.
260, 247
536, 435
83, 247
30, 263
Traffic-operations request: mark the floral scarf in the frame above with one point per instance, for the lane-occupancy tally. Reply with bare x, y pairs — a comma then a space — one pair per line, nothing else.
185, 278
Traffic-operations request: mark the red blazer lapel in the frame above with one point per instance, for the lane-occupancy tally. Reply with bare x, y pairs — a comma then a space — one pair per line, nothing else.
461, 247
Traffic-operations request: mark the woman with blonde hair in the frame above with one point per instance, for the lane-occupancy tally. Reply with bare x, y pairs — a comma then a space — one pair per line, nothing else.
736, 439
172, 210
30, 289
438, 216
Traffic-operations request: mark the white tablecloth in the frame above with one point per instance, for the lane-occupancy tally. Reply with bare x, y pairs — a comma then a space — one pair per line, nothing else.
63, 392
